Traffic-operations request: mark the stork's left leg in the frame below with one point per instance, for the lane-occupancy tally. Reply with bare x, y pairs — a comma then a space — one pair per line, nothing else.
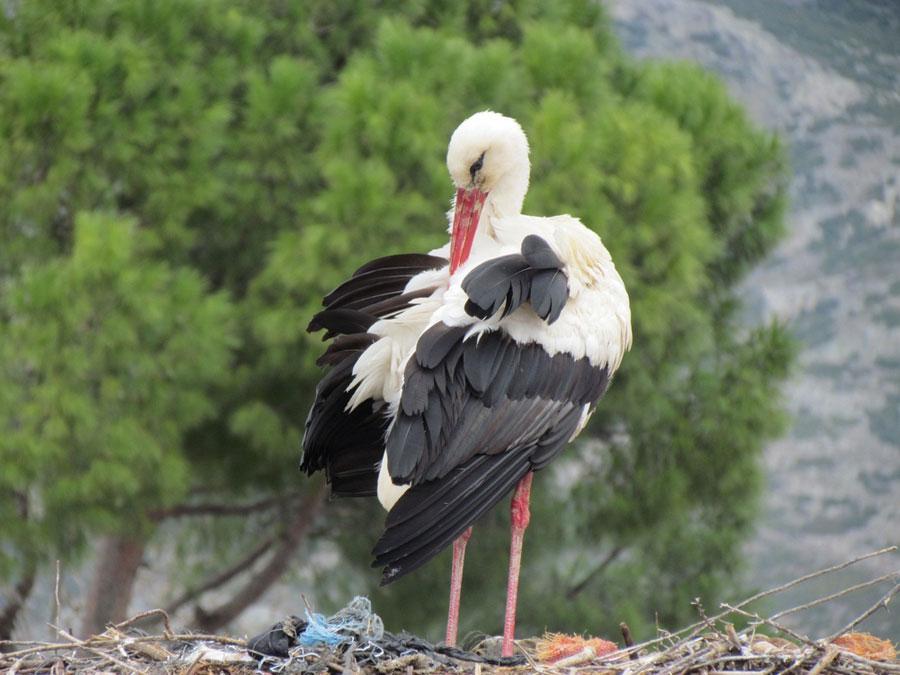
520, 517
456, 573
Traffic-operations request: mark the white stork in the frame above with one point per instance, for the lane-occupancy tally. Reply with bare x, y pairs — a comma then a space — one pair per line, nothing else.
455, 375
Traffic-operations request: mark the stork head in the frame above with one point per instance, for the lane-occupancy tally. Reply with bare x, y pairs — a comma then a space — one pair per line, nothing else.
488, 160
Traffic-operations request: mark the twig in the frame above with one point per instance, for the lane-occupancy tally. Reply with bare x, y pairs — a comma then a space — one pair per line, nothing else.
768, 622
734, 658
886, 666
680, 665
83, 644
629, 640
306, 603
149, 649
695, 628
799, 660
733, 637
36, 650
830, 655
193, 668
56, 599
32, 643
202, 637
537, 667
834, 596
167, 626
883, 602
580, 658
813, 575
15, 667
100, 640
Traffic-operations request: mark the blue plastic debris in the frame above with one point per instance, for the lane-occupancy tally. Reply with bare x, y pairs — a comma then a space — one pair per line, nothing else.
354, 623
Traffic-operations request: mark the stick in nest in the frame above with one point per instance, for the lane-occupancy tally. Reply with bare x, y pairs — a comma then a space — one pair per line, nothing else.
883, 602
691, 631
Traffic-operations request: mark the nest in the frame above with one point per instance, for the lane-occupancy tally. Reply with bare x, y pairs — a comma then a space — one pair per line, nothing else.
353, 641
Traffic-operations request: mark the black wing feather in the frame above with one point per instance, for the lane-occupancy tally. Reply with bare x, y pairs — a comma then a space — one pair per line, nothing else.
476, 415
341, 321
436, 343
349, 445
405, 263
535, 275
346, 347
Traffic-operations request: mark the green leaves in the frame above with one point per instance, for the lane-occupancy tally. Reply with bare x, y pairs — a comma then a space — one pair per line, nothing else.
741, 169
106, 361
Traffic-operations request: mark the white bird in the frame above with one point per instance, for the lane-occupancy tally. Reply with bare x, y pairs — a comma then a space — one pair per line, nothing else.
456, 374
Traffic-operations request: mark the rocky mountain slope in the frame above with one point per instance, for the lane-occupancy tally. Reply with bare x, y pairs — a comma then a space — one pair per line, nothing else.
826, 76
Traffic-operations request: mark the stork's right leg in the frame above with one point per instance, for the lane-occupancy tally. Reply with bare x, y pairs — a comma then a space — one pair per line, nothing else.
456, 574
520, 515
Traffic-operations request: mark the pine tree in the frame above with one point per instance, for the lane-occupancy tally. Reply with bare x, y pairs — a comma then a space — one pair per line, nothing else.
181, 181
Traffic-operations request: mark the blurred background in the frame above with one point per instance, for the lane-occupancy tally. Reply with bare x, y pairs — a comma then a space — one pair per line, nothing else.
826, 76
181, 181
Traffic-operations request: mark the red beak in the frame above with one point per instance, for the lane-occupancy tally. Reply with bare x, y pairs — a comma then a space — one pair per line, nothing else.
466, 213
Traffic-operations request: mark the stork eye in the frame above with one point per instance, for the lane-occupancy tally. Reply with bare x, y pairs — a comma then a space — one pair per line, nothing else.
476, 165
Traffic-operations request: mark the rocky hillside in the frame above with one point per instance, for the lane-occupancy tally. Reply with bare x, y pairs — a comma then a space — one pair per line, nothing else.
826, 75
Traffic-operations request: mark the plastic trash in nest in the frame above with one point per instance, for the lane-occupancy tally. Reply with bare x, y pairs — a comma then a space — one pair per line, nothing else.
354, 623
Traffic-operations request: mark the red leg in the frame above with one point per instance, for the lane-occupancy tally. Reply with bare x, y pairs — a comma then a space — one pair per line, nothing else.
520, 517
456, 573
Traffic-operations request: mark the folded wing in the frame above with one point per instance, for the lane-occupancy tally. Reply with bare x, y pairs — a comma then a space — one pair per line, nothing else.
475, 416
349, 444
535, 275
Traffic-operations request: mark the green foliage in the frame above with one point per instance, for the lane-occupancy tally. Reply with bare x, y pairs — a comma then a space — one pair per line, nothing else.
258, 151
740, 172
106, 359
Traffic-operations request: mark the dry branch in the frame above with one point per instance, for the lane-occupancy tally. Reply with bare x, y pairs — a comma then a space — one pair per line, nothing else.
882, 603
220, 509
222, 577
303, 517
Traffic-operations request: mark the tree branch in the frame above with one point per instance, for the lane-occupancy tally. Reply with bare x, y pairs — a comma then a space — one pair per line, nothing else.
304, 516
581, 585
213, 509
223, 577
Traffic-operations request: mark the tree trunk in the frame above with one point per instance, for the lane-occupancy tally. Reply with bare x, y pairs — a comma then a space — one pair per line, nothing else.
19, 595
212, 620
110, 594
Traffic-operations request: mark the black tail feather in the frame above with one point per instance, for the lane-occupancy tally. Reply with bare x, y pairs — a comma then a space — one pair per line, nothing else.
431, 515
